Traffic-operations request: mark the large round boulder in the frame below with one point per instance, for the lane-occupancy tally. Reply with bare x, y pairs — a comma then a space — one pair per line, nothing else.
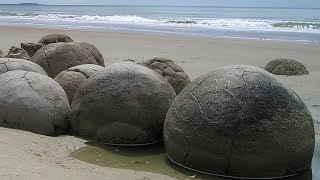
240, 121
18, 53
287, 67
125, 104
11, 64
33, 102
94, 51
55, 38
168, 69
71, 79
57, 57
31, 48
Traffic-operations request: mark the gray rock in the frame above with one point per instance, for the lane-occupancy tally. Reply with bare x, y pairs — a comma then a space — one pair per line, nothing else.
55, 38
11, 64
57, 57
287, 67
18, 53
169, 70
31, 48
94, 51
33, 102
240, 121
1, 54
125, 104
129, 60
71, 79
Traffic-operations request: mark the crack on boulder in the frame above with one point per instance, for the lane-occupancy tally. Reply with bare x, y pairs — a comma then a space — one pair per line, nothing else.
79, 71
29, 83
47, 60
239, 126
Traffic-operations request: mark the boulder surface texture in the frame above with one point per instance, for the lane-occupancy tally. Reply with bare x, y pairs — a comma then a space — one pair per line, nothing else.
33, 102
55, 38
240, 121
11, 64
125, 104
57, 57
170, 71
71, 79
94, 51
288, 67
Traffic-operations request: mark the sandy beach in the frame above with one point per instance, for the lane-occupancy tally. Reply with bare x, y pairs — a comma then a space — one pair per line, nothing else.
26, 155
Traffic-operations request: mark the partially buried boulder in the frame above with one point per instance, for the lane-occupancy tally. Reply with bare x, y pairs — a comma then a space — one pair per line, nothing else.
11, 64
57, 57
125, 104
287, 67
169, 70
33, 102
240, 121
71, 79
19, 53
94, 51
31, 48
55, 38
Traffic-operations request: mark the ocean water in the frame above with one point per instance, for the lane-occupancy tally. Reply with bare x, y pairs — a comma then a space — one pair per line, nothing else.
283, 24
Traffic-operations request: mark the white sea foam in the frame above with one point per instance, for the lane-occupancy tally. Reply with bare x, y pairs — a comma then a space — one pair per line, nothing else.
198, 23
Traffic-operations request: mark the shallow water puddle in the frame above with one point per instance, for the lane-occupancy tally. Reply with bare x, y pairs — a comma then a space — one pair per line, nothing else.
153, 159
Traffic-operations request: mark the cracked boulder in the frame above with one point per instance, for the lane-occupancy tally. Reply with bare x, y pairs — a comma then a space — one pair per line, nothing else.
33, 102
125, 104
288, 67
55, 38
11, 64
31, 48
240, 121
57, 57
71, 79
94, 51
170, 71
18, 53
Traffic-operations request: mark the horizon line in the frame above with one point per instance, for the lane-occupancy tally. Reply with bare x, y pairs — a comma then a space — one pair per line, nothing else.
274, 7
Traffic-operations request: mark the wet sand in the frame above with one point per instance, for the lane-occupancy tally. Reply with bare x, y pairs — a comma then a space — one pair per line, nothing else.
29, 156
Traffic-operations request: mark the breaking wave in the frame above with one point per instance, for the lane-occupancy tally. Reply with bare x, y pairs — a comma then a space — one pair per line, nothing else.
219, 23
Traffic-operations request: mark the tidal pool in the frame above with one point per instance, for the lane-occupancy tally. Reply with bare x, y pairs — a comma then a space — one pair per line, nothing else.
152, 159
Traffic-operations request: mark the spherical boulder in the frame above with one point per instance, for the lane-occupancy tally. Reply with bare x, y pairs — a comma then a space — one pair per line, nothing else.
71, 79
240, 121
288, 67
94, 51
57, 57
18, 53
31, 48
168, 69
125, 104
33, 102
55, 38
11, 64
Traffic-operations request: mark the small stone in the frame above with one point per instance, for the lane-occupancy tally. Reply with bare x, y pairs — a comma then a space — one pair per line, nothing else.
18, 53
31, 48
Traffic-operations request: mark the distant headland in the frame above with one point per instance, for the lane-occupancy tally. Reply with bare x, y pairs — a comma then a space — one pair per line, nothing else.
25, 4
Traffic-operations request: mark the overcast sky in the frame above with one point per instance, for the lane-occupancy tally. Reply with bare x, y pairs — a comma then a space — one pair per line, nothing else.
242, 3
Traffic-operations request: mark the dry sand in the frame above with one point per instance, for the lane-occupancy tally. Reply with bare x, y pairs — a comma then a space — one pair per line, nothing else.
26, 155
